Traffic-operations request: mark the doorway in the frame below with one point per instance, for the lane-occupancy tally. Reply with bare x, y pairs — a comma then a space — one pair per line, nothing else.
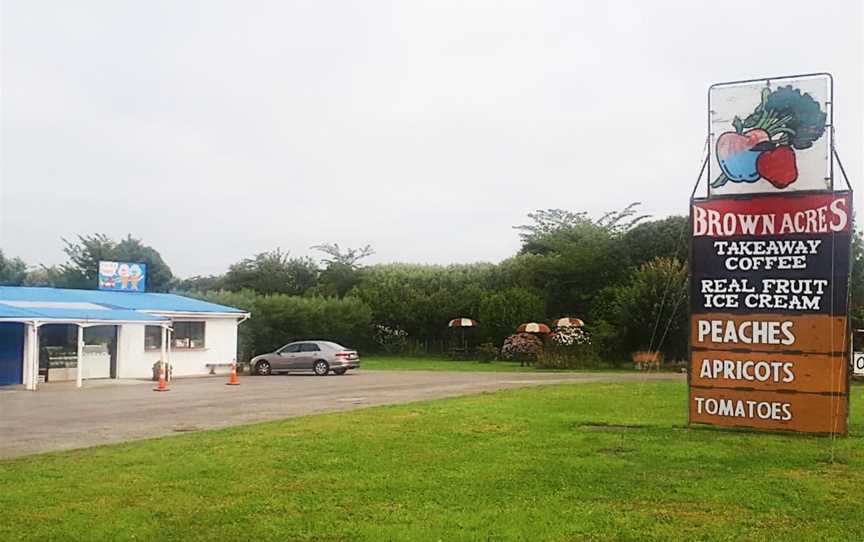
100, 352
11, 353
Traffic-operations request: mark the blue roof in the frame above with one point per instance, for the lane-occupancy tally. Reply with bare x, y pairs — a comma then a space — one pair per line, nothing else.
18, 302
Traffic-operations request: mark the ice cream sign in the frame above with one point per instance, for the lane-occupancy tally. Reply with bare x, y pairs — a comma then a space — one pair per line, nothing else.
122, 276
770, 135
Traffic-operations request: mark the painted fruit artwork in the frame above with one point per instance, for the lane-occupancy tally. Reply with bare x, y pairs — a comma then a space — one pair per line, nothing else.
737, 157
763, 145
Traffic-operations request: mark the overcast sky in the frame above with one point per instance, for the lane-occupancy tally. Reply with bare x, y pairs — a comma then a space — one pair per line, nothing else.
215, 130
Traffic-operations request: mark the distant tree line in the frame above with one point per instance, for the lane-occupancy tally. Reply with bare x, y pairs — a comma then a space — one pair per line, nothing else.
623, 273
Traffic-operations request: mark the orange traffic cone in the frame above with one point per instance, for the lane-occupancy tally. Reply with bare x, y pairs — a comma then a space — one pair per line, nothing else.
162, 386
232, 380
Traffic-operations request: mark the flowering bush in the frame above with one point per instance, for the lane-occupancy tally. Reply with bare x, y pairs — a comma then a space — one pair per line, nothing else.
522, 347
390, 339
571, 349
570, 336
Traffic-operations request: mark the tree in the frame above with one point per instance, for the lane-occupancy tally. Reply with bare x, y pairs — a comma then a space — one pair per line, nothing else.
502, 312
665, 238
13, 271
342, 268
551, 223
198, 283
278, 319
82, 269
421, 299
648, 311
44, 276
272, 273
349, 257
856, 282
159, 275
578, 256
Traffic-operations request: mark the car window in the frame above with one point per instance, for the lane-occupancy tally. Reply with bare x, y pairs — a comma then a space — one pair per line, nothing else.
291, 348
334, 346
309, 347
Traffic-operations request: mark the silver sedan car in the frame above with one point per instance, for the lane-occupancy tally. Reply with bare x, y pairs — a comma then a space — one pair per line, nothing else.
320, 357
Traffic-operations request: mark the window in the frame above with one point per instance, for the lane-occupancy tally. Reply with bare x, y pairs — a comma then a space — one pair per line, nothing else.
188, 334
290, 348
309, 347
153, 338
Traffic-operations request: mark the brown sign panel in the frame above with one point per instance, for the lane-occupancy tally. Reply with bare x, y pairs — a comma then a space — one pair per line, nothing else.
805, 412
768, 371
817, 334
769, 305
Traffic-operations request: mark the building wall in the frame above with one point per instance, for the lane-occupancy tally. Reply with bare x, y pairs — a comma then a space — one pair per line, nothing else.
220, 338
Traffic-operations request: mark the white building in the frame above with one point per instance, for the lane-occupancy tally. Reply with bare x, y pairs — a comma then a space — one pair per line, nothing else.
51, 334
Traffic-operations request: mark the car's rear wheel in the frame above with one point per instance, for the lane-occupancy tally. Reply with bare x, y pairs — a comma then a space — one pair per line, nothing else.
321, 367
339, 371
262, 368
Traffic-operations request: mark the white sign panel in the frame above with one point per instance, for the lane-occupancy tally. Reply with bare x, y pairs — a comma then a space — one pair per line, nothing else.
858, 363
770, 135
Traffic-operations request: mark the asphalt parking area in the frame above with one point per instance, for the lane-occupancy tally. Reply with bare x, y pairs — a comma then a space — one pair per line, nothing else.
60, 416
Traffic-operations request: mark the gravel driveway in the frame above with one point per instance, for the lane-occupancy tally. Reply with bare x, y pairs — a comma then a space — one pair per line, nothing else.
60, 416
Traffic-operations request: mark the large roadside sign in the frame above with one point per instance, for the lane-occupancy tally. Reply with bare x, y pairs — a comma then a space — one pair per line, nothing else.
769, 340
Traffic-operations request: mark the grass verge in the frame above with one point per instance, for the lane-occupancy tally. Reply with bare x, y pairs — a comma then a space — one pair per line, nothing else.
567, 462
387, 363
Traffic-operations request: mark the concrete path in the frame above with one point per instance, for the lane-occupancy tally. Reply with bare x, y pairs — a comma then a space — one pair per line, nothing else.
60, 416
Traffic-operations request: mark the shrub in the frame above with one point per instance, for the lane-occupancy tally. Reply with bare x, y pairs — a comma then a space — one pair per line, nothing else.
522, 347
580, 357
570, 336
647, 312
500, 312
279, 319
571, 348
390, 339
486, 352
645, 360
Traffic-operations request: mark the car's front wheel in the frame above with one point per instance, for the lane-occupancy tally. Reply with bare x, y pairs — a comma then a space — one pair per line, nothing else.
263, 368
321, 368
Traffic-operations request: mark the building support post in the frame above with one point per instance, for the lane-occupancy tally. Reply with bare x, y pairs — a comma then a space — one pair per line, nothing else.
31, 368
169, 351
164, 352
79, 374
118, 349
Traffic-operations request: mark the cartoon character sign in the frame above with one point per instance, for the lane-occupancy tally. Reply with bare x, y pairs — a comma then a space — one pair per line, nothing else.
771, 135
128, 277
135, 275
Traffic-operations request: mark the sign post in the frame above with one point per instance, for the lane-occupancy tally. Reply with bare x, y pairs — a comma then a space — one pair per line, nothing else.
770, 259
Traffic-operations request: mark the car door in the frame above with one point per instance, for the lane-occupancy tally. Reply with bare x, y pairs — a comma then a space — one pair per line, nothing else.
286, 358
309, 354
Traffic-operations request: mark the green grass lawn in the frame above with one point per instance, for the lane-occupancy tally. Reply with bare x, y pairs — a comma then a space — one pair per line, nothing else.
566, 462
387, 363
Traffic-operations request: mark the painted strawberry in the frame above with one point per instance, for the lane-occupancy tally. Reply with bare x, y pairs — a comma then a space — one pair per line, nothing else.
736, 155
778, 166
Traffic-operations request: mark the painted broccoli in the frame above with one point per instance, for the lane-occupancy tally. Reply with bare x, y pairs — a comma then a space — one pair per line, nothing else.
762, 146
798, 117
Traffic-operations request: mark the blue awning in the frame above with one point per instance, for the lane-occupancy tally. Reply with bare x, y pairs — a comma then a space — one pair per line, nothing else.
132, 301
77, 312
